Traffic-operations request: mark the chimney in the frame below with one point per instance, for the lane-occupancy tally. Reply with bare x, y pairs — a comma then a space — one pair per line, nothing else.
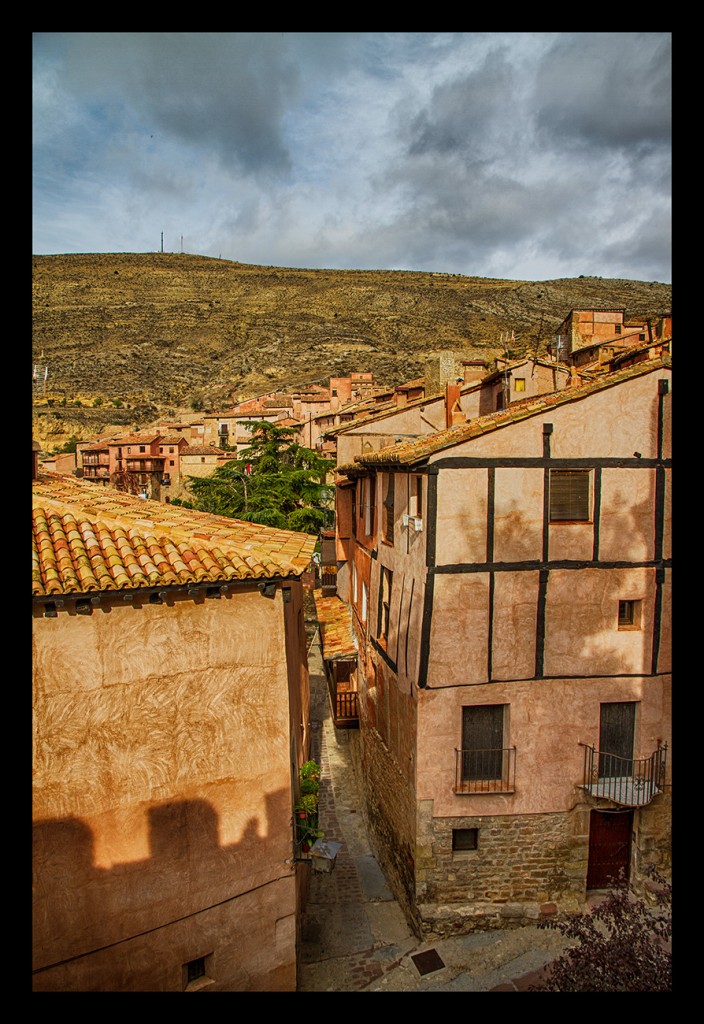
453, 409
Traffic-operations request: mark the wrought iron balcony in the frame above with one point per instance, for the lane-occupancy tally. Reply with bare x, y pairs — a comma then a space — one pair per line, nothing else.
630, 782
485, 771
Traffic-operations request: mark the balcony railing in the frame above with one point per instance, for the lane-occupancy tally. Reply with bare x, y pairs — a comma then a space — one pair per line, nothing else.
485, 771
628, 781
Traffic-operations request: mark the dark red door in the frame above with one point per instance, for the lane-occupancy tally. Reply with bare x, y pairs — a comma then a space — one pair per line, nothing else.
609, 848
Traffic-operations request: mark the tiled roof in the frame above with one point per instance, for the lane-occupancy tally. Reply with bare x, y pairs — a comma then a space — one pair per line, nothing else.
418, 450
336, 632
205, 449
87, 538
135, 439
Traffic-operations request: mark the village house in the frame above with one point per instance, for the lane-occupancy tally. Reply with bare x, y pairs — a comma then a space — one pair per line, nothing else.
461, 390
170, 718
507, 580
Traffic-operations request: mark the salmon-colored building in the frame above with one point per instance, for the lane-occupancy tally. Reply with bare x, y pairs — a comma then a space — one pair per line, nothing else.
508, 581
170, 719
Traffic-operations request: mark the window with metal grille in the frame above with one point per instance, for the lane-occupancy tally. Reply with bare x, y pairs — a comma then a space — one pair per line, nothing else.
482, 741
570, 495
195, 969
465, 839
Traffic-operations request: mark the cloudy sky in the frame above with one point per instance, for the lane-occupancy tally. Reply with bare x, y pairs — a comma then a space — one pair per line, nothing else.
509, 155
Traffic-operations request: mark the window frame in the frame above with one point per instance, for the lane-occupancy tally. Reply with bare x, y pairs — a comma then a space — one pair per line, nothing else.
389, 505
630, 611
464, 841
575, 506
386, 583
487, 768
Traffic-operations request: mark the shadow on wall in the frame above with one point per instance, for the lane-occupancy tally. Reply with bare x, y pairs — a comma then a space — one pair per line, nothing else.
80, 908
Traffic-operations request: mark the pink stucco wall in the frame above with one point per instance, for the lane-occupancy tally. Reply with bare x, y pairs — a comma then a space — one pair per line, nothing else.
162, 794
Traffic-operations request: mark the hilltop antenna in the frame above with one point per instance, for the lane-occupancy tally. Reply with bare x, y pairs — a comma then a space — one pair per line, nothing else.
182, 245
162, 241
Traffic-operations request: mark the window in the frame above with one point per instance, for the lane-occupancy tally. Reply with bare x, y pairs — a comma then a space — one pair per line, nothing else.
389, 508
618, 328
195, 969
465, 839
194, 974
365, 600
629, 614
387, 578
142, 448
369, 501
354, 583
570, 495
519, 383
482, 742
415, 497
617, 722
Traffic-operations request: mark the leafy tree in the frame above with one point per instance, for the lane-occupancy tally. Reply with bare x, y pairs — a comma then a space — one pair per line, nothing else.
621, 945
69, 448
275, 481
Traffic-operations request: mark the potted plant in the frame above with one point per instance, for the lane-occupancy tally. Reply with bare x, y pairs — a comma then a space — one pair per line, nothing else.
310, 770
306, 813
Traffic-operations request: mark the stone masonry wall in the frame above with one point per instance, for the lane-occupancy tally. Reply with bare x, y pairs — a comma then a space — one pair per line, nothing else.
524, 867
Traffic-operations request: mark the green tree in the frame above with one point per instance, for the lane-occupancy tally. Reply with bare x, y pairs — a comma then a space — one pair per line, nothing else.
275, 481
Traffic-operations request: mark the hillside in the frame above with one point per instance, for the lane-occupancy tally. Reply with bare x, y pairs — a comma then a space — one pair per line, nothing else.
168, 330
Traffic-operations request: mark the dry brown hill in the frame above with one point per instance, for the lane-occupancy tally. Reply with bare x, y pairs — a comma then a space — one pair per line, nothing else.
166, 330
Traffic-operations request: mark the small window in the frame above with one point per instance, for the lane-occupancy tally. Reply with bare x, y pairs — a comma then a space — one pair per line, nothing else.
387, 578
569, 495
195, 975
641, 337
618, 328
519, 383
171, 462
465, 839
389, 509
365, 600
142, 448
195, 969
629, 614
415, 497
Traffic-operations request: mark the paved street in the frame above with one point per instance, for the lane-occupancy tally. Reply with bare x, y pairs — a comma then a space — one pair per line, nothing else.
355, 936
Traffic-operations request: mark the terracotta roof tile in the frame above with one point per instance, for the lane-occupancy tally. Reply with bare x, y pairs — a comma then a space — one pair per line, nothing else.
86, 539
336, 631
418, 450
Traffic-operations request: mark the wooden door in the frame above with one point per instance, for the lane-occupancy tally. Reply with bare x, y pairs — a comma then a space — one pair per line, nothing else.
609, 848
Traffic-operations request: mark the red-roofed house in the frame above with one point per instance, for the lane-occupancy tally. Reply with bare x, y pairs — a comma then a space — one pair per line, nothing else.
509, 580
170, 720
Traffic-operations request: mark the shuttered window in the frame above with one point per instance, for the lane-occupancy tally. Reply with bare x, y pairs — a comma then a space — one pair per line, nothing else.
569, 495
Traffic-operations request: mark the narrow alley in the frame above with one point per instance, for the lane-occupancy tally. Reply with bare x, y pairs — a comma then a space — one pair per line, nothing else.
355, 936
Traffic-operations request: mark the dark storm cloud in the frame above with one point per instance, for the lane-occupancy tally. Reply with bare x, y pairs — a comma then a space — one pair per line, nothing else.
517, 155
468, 115
609, 90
